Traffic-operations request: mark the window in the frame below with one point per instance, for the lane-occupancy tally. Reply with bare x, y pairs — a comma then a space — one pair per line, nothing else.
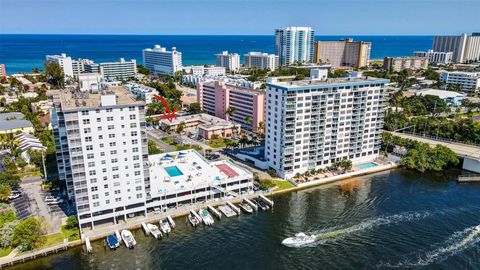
113, 152
88, 139
93, 180
110, 127
92, 172
135, 149
110, 118
135, 141
91, 164
133, 125
109, 110
87, 130
99, 128
133, 133
86, 121
132, 117
84, 112
95, 196
90, 156
137, 173
118, 199
96, 204
100, 137
99, 120
94, 188
112, 144
111, 136
89, 147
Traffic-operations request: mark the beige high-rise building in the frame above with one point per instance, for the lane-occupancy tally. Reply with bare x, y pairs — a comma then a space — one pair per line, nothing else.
465, 48
343, 53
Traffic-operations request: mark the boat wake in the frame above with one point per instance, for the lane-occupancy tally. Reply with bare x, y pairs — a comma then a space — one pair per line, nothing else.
335, 233
458, 242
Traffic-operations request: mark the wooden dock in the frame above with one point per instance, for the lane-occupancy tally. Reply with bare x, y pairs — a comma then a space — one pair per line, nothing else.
34, 254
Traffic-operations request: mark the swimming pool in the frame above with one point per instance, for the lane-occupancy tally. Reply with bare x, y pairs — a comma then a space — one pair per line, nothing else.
173, 171
365, 165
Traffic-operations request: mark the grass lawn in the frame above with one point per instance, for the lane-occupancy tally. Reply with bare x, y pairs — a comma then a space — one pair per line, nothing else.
282, 184
216, 142
5, 251
57, 238
169, 141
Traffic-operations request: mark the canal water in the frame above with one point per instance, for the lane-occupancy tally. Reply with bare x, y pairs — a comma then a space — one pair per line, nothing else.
397, 219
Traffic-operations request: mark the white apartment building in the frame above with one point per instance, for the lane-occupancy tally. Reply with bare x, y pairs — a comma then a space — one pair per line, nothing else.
101, 149
311, 124
294, 44
146, 93
470, 81
230, 61
465, 48
161, 61
261, 60
64, 61
202, 70
89, 81
119, 70
445, 58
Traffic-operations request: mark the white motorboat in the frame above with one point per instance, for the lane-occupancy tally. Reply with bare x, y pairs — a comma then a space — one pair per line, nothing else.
193, 219
246, 208
154, 230
206, 217
128, 239
300, 239
165, 227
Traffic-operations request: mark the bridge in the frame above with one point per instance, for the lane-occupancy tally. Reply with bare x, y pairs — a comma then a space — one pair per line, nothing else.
469, 153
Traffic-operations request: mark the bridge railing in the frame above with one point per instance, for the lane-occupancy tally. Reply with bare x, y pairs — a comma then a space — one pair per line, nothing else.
435, 138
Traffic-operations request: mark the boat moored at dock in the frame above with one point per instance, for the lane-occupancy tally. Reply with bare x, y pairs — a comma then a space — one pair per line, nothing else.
112, 241
128, 239
261, 204
165, 227
154, 230
246, 208
206, 217
170, 220
192, 218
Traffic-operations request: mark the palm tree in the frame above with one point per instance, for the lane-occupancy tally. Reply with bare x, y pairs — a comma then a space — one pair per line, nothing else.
248, 120
261, 128
229, 111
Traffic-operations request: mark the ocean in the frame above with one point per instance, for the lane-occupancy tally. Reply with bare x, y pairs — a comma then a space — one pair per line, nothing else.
21, 53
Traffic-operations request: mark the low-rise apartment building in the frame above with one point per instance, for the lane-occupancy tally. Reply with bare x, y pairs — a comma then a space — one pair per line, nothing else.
241, 105
400, 63
468, 81
313, 123
202, 125
444, 58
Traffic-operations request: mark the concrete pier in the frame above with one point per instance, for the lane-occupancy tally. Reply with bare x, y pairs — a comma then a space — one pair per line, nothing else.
254, 206
267, 200
234, 208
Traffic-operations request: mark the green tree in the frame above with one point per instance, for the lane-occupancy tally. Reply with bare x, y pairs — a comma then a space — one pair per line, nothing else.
194, 108
152, 148
5, 191
180, 127
7, 178
71, 222
28, 233
55, 74
143, 70
6, 233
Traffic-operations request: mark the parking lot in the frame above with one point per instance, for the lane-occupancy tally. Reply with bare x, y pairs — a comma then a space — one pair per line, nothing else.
32, 203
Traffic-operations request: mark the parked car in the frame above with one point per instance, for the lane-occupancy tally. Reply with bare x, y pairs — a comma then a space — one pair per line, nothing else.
14, 195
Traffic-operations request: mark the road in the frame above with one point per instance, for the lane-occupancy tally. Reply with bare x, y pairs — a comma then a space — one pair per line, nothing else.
462, 150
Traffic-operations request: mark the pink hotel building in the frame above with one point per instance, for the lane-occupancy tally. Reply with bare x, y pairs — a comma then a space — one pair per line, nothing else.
216, 97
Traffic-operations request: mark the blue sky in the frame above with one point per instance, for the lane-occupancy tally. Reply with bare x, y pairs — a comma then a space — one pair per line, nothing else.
328, 17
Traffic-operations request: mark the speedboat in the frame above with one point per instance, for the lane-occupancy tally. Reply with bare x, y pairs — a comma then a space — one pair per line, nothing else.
300, 239
165, 227
112, 241
128, 239
193, 219
246, 208
206, 217
154, 230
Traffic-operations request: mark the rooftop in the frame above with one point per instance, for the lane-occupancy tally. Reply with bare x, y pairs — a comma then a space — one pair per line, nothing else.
440, 93
74, 100
13, 120
205, 121
329, 81
186, 170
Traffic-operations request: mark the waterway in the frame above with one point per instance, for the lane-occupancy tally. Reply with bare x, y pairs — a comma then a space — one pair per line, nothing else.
395, 219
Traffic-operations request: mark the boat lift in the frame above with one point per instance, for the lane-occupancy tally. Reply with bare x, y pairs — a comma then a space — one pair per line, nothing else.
170, 220
88, 245
215, 211
234, 208
254, 206
119, 237
267, 200
145, 228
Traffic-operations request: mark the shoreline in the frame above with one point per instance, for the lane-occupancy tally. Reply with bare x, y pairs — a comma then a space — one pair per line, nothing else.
137, 225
